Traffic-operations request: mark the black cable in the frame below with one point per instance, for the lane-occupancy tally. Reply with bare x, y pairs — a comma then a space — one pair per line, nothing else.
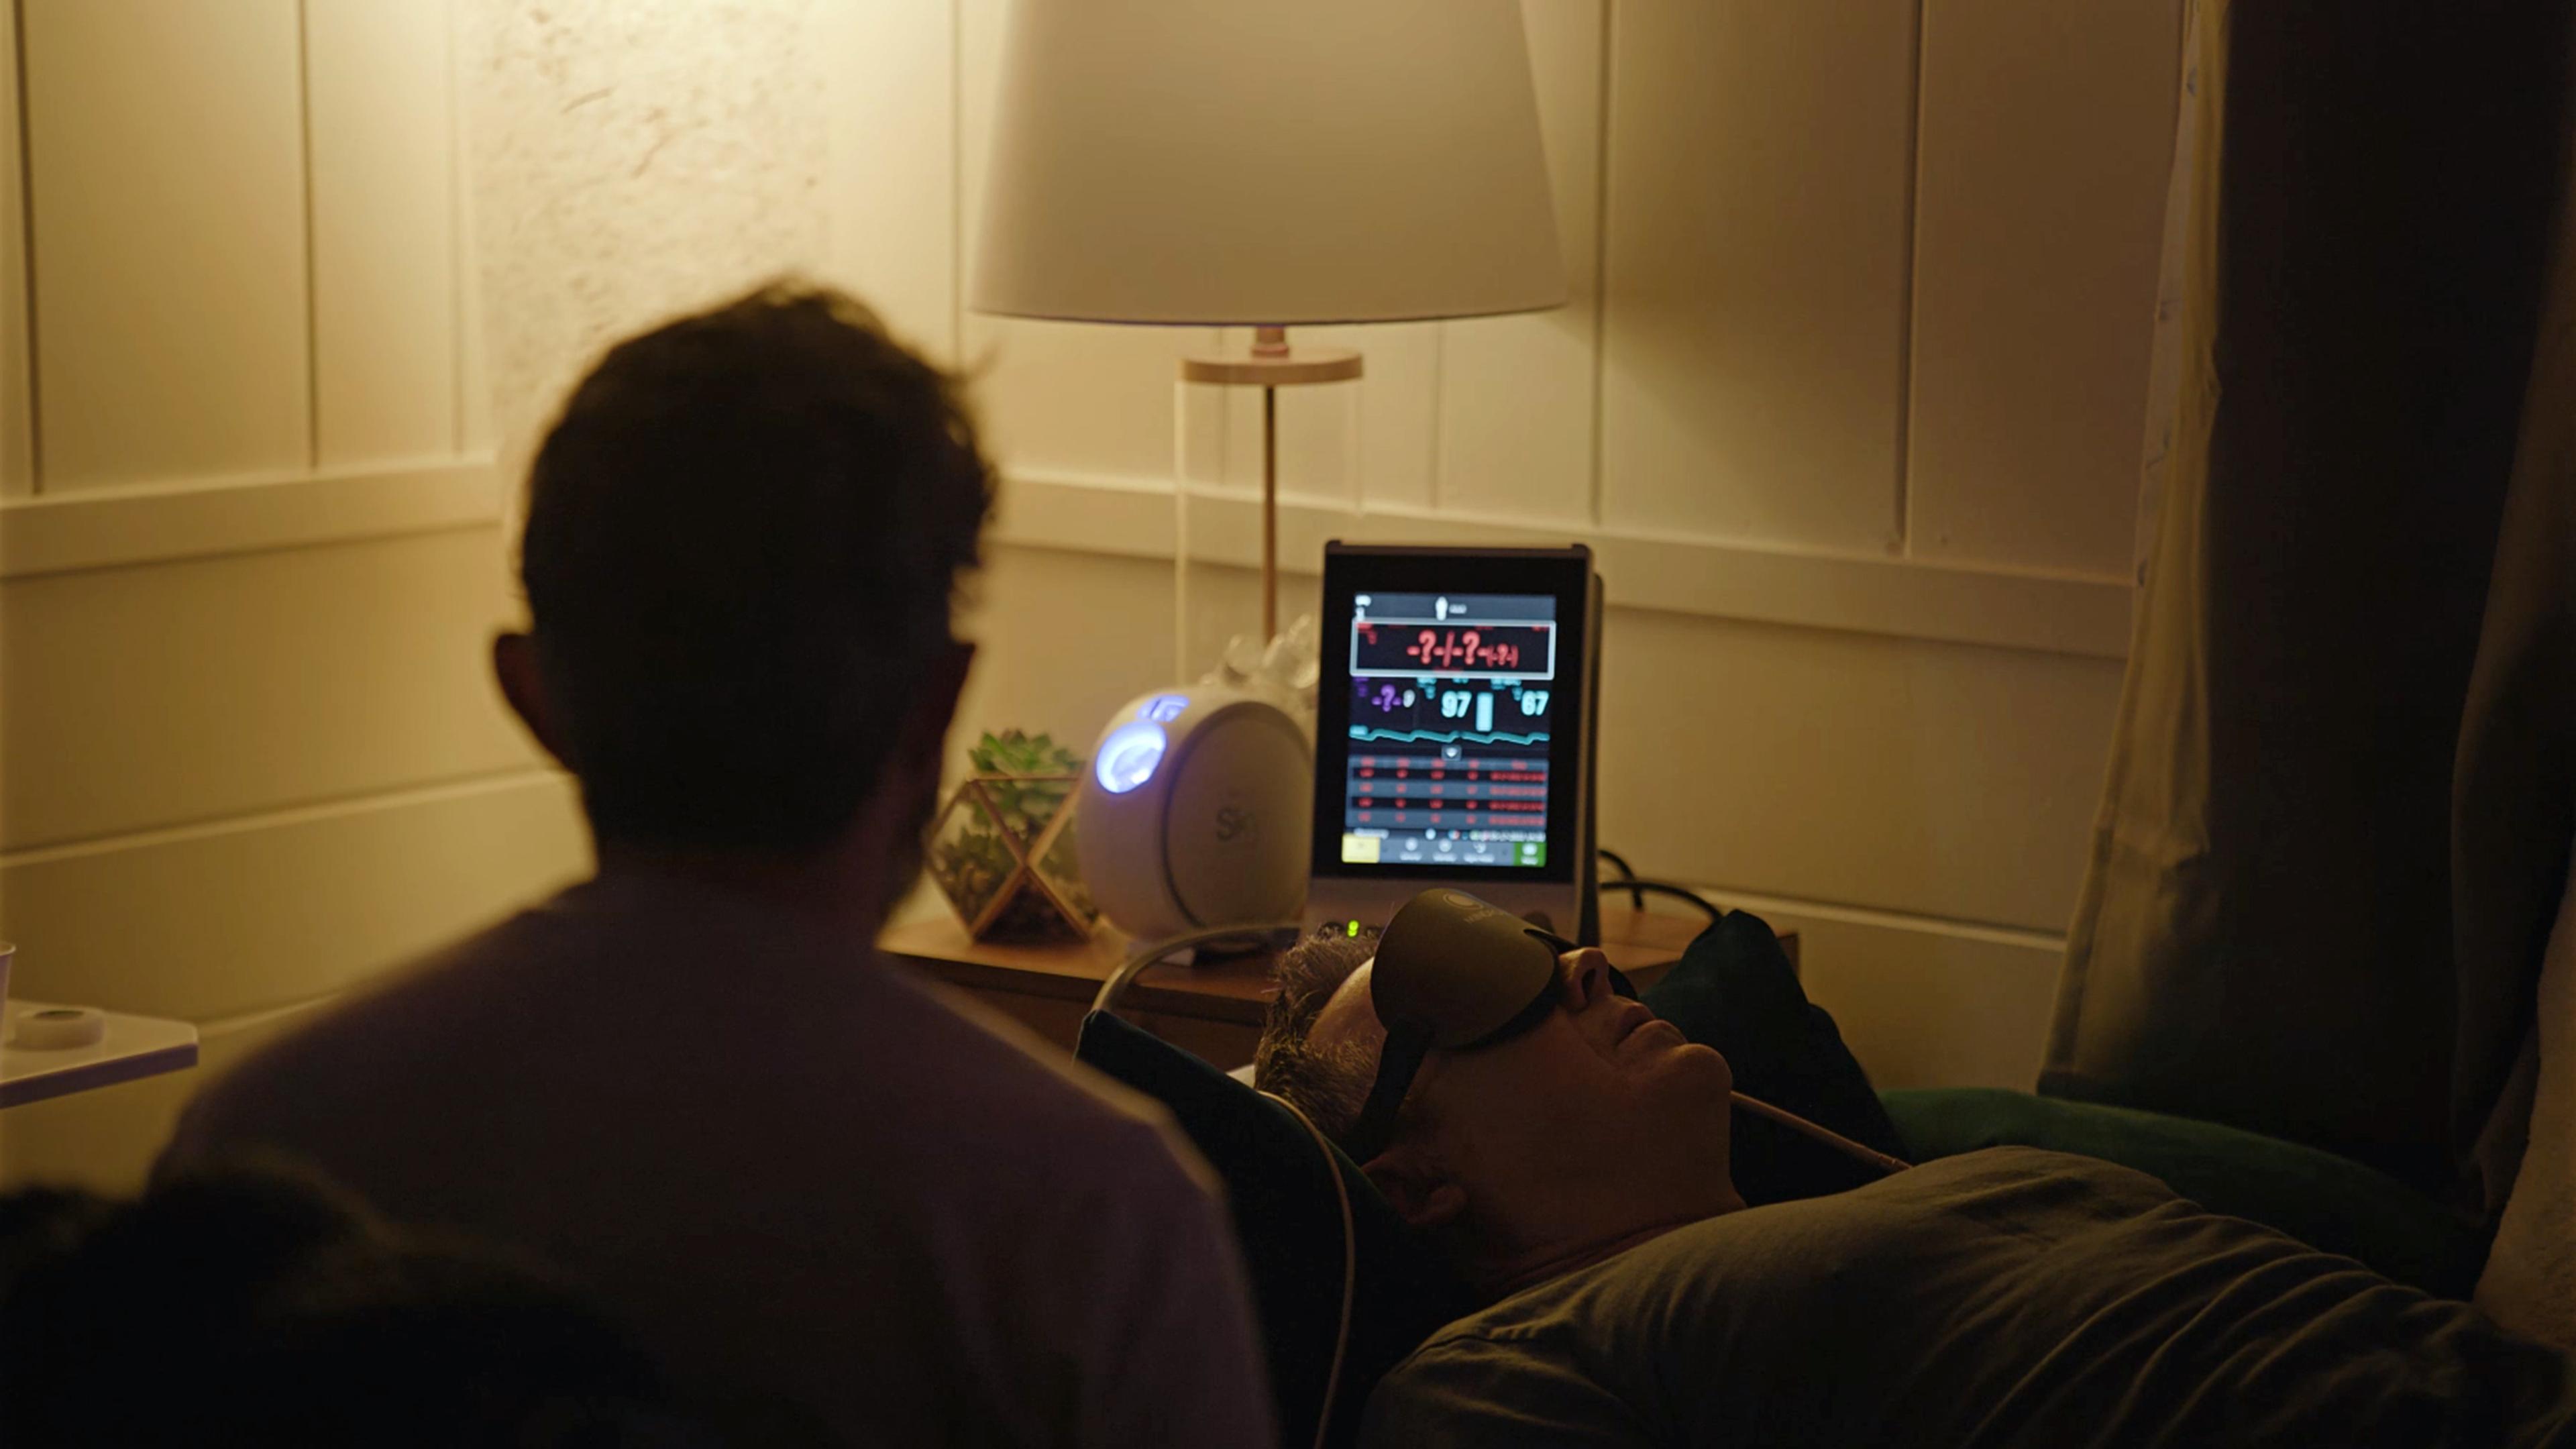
1644, 888
1626, 872
1143, 956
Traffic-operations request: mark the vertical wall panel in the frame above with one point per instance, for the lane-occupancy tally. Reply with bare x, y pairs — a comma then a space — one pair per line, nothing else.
1516, 392
895, 165
1758, 168
384, 229
1386, 427
2047, 129
1399, 408
17, 415
166, 154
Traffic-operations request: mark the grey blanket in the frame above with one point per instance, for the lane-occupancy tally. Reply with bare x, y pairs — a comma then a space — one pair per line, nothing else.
2010, 1297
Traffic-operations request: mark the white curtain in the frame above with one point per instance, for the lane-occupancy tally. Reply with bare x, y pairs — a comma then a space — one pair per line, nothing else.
2266, 936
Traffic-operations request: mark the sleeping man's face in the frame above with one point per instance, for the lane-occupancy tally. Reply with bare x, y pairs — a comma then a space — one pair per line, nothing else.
1596, 1128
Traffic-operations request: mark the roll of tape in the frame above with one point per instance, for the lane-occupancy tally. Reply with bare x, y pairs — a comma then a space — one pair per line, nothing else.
59, 1028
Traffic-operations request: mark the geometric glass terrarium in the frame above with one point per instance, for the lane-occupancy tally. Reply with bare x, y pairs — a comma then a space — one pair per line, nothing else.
1004, 851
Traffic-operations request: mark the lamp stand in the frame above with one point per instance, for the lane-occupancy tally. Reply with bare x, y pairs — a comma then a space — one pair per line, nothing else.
1270, 366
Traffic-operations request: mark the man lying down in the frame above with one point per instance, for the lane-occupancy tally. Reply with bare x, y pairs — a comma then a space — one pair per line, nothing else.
1573, 1164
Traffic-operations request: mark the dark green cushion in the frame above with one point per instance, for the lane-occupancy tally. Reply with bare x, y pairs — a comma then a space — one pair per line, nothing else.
2327, 1201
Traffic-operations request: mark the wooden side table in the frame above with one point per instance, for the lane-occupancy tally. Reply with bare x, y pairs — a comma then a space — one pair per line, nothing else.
1212, 1010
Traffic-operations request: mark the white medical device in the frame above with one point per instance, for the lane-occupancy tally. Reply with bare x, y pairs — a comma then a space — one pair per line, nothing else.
1195, 813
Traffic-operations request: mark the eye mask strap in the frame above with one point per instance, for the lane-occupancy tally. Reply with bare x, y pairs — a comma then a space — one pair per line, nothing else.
1397, 1061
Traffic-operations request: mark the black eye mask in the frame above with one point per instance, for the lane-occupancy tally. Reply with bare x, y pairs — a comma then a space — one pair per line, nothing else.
1456, 973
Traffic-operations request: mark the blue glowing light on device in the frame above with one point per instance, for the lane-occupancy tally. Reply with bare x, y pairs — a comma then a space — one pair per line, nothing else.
1164, 708
1128, 757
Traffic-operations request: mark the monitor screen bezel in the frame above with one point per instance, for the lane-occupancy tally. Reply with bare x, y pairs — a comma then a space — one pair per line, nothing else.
1563, 574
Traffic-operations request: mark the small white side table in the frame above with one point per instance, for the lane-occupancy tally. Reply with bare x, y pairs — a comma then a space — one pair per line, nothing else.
135, 1046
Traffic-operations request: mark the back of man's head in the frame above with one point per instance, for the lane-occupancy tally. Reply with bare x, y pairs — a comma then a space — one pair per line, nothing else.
745, 534
1327, 1081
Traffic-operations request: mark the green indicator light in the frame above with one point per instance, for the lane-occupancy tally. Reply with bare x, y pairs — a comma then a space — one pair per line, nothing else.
1355, 928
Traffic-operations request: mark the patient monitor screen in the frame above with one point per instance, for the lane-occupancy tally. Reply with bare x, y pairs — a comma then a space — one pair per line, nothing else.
1452, 704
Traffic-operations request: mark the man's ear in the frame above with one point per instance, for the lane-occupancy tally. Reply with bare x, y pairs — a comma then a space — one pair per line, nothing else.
934, 704
1421, 1193
523, 684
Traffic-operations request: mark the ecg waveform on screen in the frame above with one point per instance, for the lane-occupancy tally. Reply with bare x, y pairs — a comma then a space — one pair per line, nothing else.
1444, 737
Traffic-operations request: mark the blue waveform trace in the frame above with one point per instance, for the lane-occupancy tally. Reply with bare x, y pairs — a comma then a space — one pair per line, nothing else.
1445, 737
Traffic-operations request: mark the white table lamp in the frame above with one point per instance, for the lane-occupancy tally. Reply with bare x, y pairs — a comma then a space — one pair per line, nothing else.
1267, 163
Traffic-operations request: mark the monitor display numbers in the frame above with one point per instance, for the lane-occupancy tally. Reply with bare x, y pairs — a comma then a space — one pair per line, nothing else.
1498, 648
1452, 701
1403, 648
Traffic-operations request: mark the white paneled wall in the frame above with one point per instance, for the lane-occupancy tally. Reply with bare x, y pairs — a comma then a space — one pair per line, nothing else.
2035, 247
139, 699
243, 227
250, 546
380, 147
1752, 358
165, 157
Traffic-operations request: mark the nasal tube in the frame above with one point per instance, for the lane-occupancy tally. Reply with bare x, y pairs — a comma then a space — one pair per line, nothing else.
1832, 1139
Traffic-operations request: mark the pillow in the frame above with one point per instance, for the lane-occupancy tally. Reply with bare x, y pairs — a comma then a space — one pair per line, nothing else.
1734, 989
1289, 1220
2323, 1200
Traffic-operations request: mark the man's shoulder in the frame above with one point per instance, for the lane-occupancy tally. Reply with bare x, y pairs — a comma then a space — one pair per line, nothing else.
967, 1070
898, 1063
414, 1011
595, 1002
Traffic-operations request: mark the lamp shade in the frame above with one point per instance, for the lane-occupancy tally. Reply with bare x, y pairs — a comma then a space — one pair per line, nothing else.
1266, 162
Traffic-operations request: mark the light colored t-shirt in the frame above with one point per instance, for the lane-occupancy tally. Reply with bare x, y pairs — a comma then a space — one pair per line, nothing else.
804, 1178
2010, 1297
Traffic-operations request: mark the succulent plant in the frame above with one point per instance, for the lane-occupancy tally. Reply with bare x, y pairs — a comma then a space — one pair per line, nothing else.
1020, 783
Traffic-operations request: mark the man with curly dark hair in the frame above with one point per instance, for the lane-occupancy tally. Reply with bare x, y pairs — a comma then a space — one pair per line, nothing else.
786, 1163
